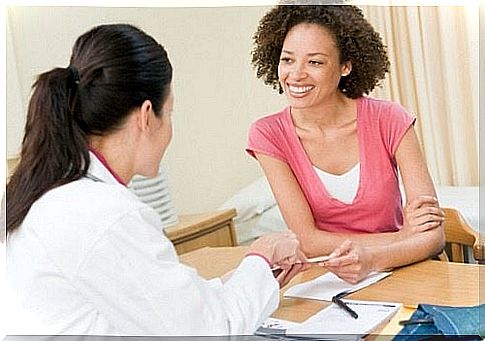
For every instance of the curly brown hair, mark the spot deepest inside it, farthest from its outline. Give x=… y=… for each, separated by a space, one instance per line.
x=355 y=38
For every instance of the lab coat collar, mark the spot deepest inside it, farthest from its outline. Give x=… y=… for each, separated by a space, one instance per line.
x=98 y=172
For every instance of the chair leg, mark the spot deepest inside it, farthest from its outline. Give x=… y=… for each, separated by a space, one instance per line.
x=457 y=253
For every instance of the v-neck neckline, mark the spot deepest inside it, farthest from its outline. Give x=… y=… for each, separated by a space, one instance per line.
x=308 y=164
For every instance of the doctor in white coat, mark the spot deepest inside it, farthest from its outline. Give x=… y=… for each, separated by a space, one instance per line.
x=84 y=255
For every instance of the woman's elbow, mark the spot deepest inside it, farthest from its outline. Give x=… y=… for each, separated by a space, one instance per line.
x=439 y=240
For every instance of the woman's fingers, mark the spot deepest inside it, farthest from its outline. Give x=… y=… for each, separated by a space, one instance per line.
x=429 y=210
x=341 y=255
x=427 y=226
x=286 y=275
x=344 y=248
x=348 y=259
x=420 y=201
x=423 y=218
x=352 y=266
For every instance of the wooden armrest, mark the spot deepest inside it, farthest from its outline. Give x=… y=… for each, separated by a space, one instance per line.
x=192 y=224
x=479 y=250
x=458 y=232
x=206 y=229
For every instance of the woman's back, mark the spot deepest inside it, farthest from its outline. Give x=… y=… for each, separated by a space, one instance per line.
x=47 y=255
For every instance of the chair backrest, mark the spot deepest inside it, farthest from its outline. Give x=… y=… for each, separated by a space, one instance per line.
x=459 y=234
x=155 y=193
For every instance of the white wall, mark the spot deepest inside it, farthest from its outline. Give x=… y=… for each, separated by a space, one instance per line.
x=216 y=91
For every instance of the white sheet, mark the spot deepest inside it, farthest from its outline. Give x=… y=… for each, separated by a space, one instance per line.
x=463 y=198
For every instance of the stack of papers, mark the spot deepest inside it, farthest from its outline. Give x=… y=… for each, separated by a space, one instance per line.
x=329 y=285
x=335 y=323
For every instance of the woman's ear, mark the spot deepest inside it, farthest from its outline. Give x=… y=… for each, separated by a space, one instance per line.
x=143 y=114
x=346 y=68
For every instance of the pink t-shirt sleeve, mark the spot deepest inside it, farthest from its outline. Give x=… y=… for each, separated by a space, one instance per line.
x=263 y=138
x=394 y=124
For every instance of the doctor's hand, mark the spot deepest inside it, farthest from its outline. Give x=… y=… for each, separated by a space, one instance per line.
x=350 y=262
x=281 y=250
x=421 y=214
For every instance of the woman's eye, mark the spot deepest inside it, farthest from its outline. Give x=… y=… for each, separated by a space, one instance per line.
x=285 y=59
x=316 y=62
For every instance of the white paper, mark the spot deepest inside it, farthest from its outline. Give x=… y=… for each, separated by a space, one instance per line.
x=334 y=320
x=329 y=285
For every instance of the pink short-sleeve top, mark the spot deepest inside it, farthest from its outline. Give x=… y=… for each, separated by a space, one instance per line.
x=377 y=206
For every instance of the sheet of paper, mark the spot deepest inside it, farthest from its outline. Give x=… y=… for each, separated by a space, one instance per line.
x=335 y=321
x=328 y=285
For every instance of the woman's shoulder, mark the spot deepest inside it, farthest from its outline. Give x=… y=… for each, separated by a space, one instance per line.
x=379 y=102
x=86 y=198
x=373 y=104
x=73 y=218
x=86 y=208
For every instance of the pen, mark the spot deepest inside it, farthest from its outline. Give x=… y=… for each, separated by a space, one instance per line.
x=308 y=261
x=344 y=306
x=416 y=321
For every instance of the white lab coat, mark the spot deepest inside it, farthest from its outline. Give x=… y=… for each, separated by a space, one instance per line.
x=91 y=259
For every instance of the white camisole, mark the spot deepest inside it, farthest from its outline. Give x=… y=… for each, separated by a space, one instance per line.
x=342 y=187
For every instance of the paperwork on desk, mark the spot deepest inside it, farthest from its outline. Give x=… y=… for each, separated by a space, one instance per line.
x=334 y=323
x=329 y=285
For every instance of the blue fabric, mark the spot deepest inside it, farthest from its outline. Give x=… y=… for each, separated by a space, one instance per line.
x=466 y=322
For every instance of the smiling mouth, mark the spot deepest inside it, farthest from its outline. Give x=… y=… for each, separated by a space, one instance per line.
x=300 y=89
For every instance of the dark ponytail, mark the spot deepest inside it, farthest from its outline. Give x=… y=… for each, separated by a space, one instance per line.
x=113 y=69
x=54 y=150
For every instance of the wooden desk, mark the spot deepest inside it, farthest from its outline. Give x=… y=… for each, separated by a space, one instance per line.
x=432 y=282
x=207 y=229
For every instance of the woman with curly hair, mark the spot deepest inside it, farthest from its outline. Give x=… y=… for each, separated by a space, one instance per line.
x=333 y=156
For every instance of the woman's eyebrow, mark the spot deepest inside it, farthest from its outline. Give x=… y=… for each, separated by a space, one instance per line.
x=311 y=54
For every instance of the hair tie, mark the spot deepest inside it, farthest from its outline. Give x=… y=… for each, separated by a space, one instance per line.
x=73 y=77
x=72 y=84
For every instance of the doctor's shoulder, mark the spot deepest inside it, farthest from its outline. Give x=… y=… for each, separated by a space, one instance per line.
x=84 y=201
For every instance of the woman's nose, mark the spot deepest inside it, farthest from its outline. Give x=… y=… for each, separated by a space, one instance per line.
x=298 y=71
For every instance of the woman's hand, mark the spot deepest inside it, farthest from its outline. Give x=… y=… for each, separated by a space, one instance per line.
x=421 y=214
x=288 y=272
x=350 y=261
x=282 y=250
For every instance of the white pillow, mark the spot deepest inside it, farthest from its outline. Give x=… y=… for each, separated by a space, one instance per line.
x=252 y=200
x=270 y=221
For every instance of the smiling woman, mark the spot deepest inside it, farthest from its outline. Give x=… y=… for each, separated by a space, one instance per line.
x=310 y=67
x=332 y=156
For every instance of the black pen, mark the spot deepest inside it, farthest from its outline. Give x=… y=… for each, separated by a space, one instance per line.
x=343 y=305
x=416 y=321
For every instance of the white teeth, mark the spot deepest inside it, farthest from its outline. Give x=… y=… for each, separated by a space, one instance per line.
x=300 y=89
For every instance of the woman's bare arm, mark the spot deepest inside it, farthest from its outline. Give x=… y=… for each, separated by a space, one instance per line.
x=421 y=237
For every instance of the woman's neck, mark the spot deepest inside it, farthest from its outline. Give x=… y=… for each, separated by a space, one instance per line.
x=333 y=113
x=116 y=154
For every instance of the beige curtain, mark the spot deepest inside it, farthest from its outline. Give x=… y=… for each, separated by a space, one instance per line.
x=434 y=74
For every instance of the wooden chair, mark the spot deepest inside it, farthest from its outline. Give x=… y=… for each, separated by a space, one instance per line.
x=458 y=235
